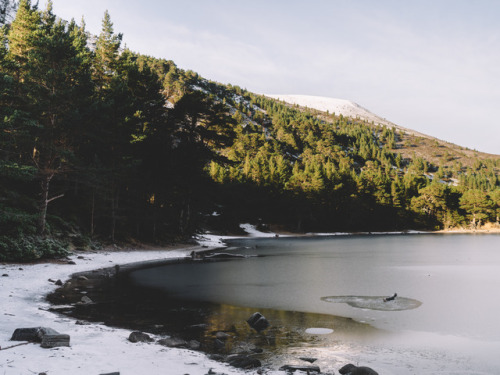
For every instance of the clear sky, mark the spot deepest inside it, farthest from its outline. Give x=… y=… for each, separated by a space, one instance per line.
x=429 y=65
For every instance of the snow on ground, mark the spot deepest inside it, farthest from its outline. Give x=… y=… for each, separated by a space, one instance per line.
x=95 y=348
x=342 y=107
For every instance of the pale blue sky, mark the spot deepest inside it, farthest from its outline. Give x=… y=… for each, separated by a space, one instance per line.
x=433 y=66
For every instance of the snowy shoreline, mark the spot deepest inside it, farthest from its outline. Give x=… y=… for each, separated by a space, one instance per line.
x=95 y=348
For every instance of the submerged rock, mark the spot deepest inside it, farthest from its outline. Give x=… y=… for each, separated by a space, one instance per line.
x=306 y=369
x=258 y=322
x=243 y=361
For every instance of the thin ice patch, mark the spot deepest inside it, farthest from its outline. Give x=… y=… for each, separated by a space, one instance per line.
x=319 y=331
x=375 y=302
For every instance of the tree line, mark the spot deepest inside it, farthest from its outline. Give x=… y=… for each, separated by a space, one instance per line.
x=100 y=143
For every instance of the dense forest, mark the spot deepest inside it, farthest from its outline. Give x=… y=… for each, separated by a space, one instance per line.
x=100 y=144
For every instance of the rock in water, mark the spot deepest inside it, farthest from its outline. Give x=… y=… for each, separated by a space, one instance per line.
x=350 y=369
x=306 y=369
x=243 y=361
x=258 y=322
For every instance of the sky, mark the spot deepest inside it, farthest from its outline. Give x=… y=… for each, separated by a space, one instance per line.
x=429 y=65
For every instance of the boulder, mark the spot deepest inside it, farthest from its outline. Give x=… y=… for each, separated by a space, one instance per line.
x=258 y=322
x=350 y=369
x=306 y=369
x=137 y=336
x=48 y=337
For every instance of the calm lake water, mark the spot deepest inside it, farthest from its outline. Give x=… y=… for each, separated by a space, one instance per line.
x=445 y=319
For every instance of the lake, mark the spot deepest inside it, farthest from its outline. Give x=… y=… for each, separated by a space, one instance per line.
x=444 y=319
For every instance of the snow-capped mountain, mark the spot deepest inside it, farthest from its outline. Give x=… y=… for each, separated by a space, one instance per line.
x=342 y=107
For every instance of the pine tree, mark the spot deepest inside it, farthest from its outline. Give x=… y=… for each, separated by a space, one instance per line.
x=49 y=78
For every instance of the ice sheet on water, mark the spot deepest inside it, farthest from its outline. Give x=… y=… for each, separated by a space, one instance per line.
x=375 y=302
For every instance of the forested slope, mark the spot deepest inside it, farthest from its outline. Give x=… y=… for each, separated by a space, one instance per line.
x=98 y=143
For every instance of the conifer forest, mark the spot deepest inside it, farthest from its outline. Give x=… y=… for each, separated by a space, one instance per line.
x=100 y=144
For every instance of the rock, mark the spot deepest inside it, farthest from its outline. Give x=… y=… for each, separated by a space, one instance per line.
x=5 y=275
x=219 y=344
x=223 y=336
x=82 y=278
x=309 y=359
x=137 y=336
x=86 y=300
x=194 y=345
x=82 y=323
x=48 y=337
x=258 y=322
x=216 y=357
x=173 y=342
x=59 y=283
x=27 y=334
x=54 y=340
x=350 y=369
x=306 y=369
x=52 y=281
x=243 y=361
x=71 y=262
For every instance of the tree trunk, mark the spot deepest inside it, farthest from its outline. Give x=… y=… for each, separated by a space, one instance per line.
x=44 y=201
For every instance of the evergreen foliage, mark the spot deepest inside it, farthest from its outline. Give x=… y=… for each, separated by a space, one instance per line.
x=98 y=142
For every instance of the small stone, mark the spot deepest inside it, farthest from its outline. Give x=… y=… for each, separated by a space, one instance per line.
x=172 y=342
x=82 y=323
x=307 y=369
x=308 y=359
x=52 y=281
x=219 y=344
x=21 y=269
x=194 y=345
x=71 y=262
x=223 y=336
x=86 y=300
x=5 y=275
x=59 y=283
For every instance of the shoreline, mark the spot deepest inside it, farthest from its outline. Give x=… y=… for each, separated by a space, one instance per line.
x=95 y=348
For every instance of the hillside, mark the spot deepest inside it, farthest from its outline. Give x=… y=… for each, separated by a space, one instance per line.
x=410 y=143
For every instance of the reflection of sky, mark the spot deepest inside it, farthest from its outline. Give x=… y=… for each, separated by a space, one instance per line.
x=427 y=65
x=454 y=276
